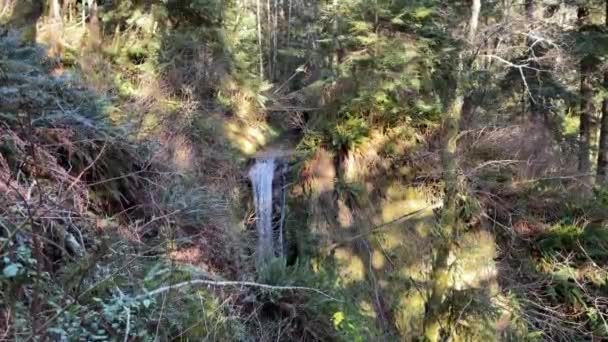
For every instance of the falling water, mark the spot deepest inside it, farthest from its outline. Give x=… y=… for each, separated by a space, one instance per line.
x=261 y=175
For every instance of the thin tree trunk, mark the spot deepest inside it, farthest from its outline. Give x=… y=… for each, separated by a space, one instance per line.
x=275 y=40
x=65 y=8
x=289 y=6
x=286 y=62
x=94 y=27
x=468 y=106
x=260 y=48
x=602 y=156
x=531 y=11
x=586 y=108
x=336 y=30
x=532 y=16
x=56 y=29
x=474 y=20
x=269 y=31
x=25 y=16
x=437 y=306
x=586 y=105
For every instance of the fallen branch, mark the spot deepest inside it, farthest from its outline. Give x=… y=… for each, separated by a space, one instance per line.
x=375 y=229
x=232 y=283
x=77 y=179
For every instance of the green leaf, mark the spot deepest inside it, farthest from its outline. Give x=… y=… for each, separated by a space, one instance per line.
x=337 y=318
x=422 y=12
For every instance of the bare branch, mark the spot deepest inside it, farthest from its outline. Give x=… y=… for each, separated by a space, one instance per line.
x=233 y=283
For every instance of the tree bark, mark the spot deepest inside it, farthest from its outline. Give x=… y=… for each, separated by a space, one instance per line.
x=336 y=31
x=587 y=67
x=456 y=104
x=534 y=51
x=586 y=108
x=474 y=20
x=269 y=32
x=25 y=17
x=602 y=156
x=275 y=39
x=93 y=27
x=56 y=29
x=260 y=47
x=468 y=106
x=436 y=305
x=531 y=8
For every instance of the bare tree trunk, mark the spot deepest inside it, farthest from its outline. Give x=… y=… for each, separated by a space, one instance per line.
x=269 y=32
x=468 y=106
x=531 y=8
x=586 y=106
x=94 y=28
x=286 y=63
x=532 y=94
x=67 y=6
x=25 y=17
x=55 y=29
x=436 y=306
x=337 y=58
x=602 y=157
x=474 y=20
x=260 y=47
x=289 y=23
x=275 y=40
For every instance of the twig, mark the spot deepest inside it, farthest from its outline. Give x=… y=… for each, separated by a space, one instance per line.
x=582 y=175
x=103 y=148
x=128 y=324
x=232 y=283
x=521 y=68
x=384 y=225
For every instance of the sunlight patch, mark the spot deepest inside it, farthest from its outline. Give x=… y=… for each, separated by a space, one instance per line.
x=352 y=268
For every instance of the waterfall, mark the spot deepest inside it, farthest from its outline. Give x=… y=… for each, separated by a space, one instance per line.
x=261 y=176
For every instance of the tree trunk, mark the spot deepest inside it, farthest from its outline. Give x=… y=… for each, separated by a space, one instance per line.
x=468 y=106
x=275 y=40
x=25 y=17
x=436 y=305
x=586 y=106
x=474 y=20
x=534 y=51
x=67 y=6
x=94 y=28
x=531 y=8
x=602 y=156
x=55 y=29
x=269 y=32
x=336 y=31
x=260 y=47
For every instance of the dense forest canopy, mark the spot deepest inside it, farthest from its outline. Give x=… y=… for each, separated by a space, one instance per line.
x=304 y=170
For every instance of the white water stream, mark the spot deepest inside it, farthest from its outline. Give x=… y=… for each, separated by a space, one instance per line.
x=261 y=176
